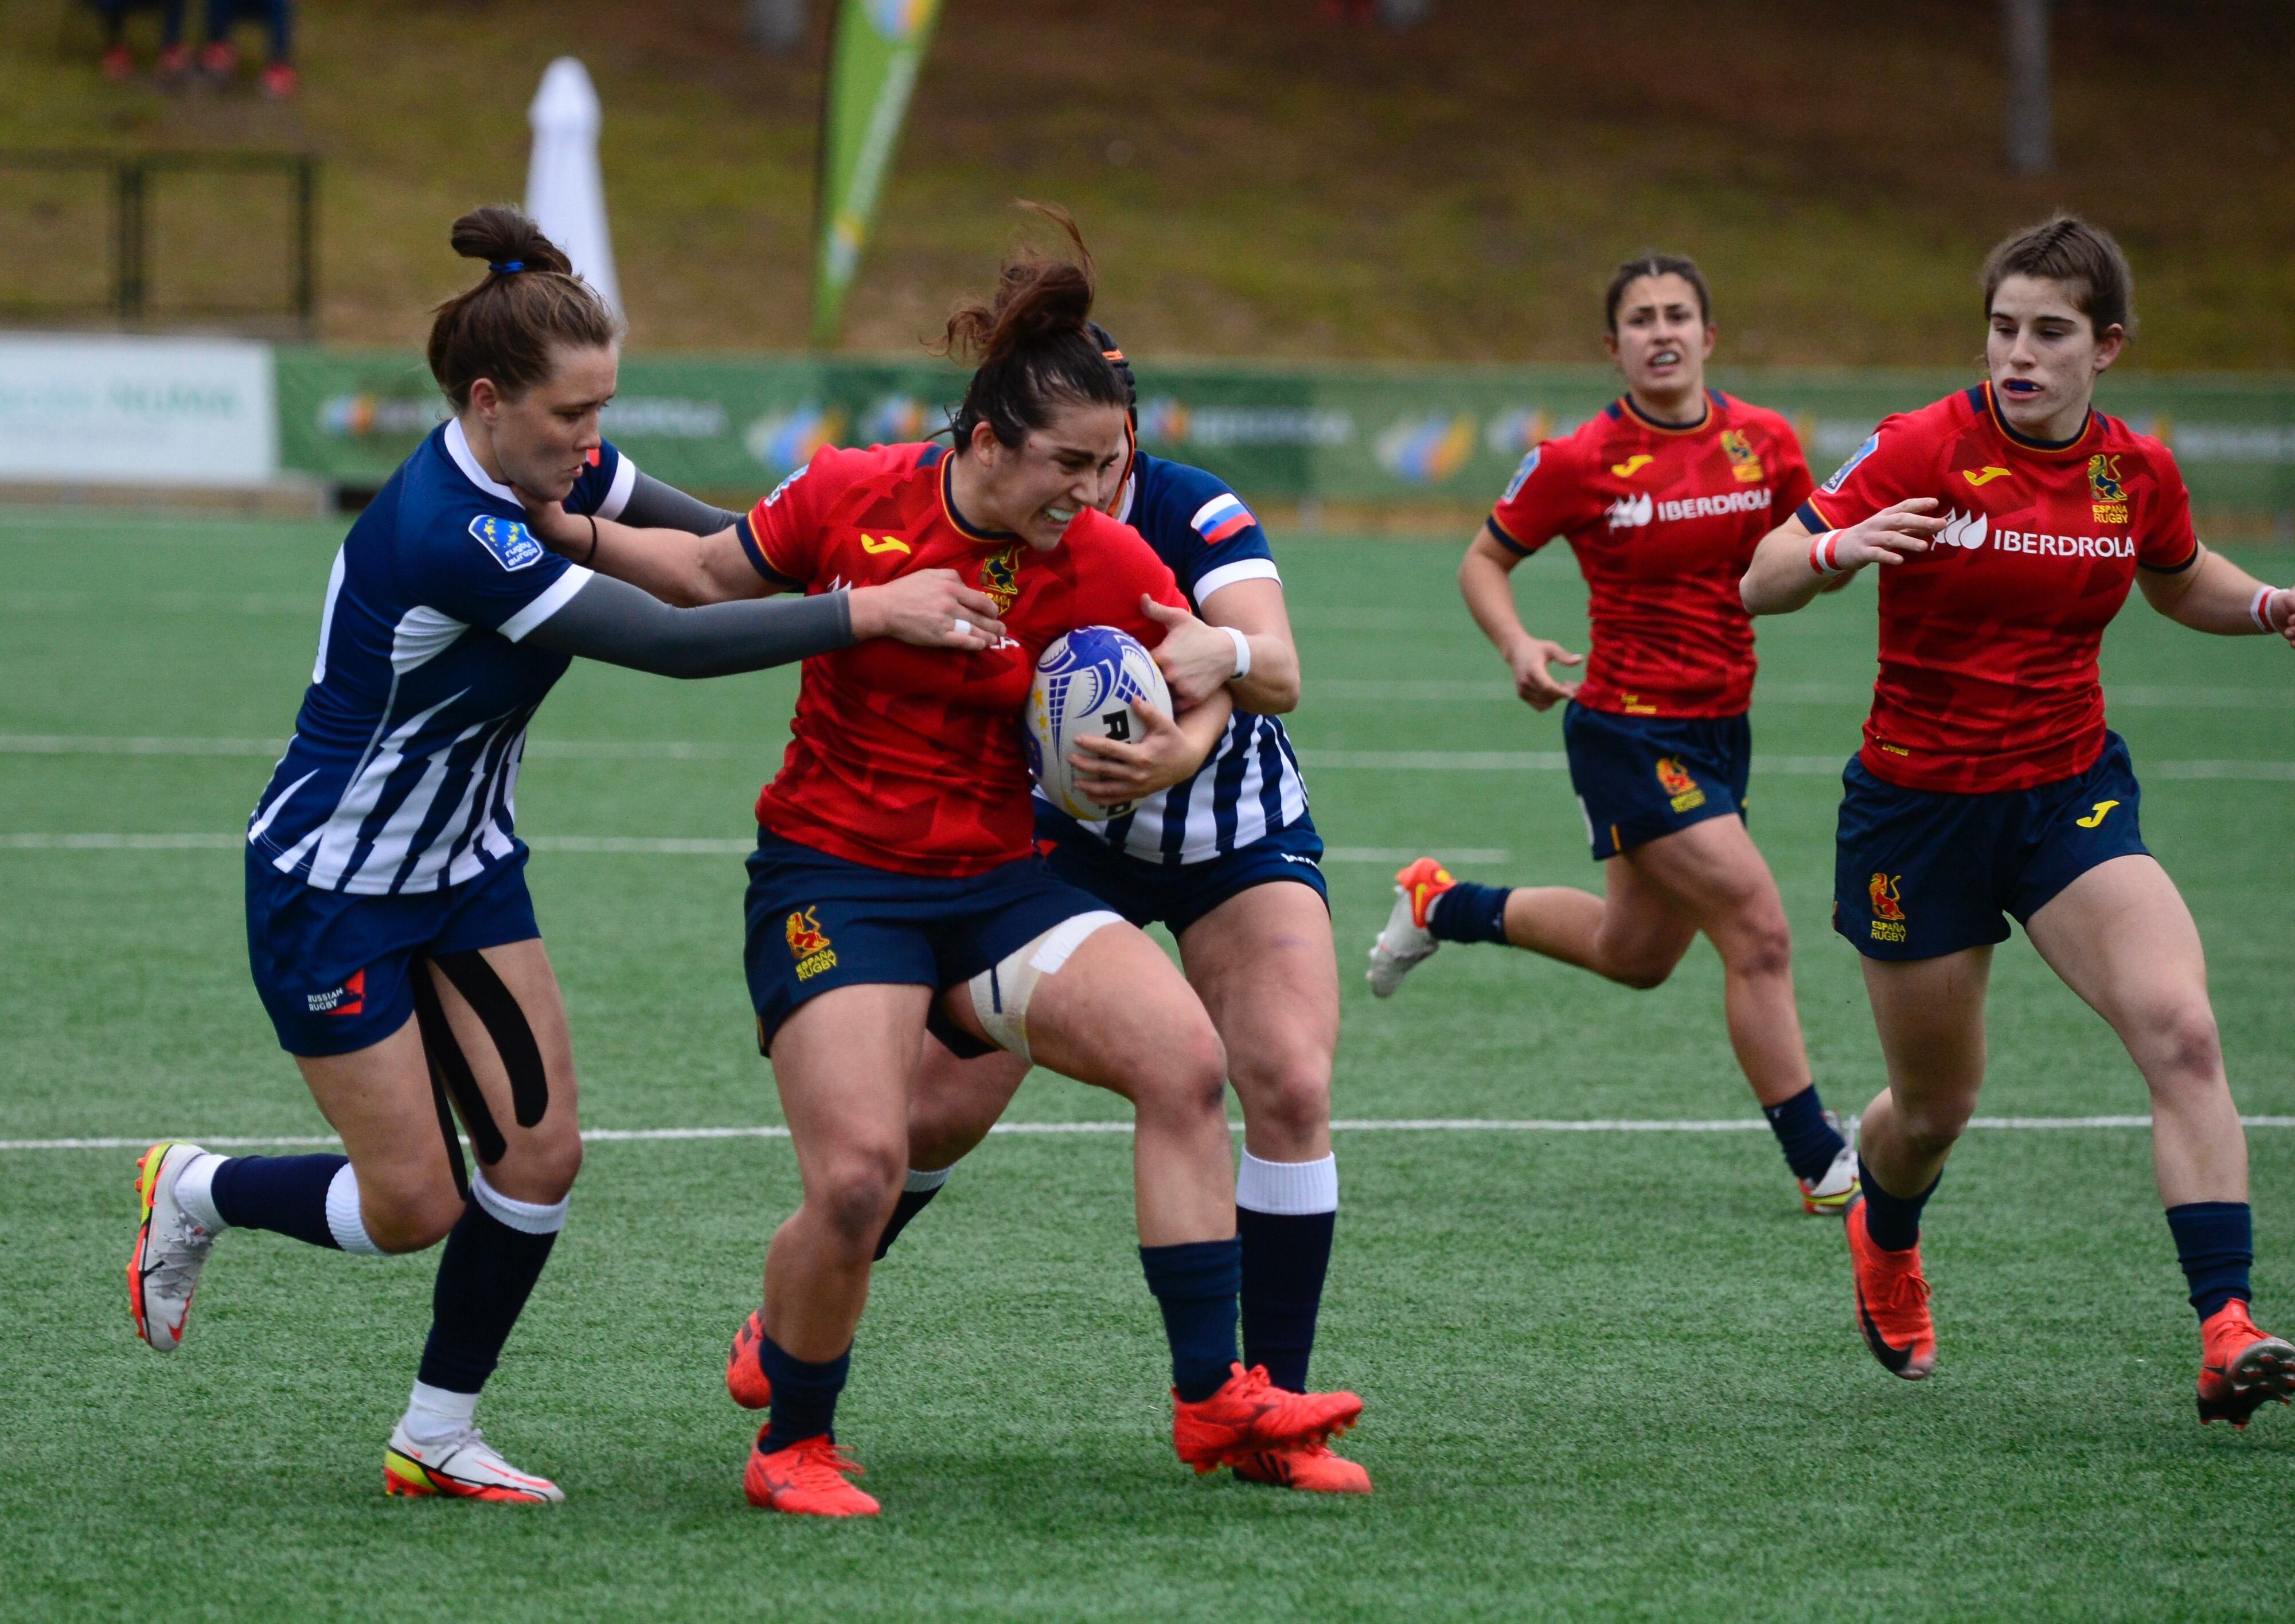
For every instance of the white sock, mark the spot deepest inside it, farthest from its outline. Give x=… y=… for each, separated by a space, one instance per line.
x=345 y=1222
x=526 y=1217
x=195 y=1192
x=920 y=1179
x=435 y=1415
x=1287 y=1189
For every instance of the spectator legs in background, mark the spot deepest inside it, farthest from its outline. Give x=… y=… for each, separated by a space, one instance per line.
x=220 y=58
x=118 y=61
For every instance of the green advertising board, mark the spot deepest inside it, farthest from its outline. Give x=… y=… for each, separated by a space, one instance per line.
x=1353 y=433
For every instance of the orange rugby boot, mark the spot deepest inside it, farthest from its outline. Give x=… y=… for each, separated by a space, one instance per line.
x=1316 y=1469
x=1893 y=1302
x=746 y=1382
x=1251 y=1416
x=2241 y=1368
x=806 y=1479
x=1406 y=942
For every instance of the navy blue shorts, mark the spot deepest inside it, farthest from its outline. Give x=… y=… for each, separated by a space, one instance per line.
x=335 y=971
x=1921 y=873
x=1641 y=777
x=818 y=922
x=1177 y=894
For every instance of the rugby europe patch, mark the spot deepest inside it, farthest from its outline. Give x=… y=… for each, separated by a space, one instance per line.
x=513 y=545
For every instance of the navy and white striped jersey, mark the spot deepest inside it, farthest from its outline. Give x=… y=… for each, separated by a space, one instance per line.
x=402 y=771
x=1250 y=785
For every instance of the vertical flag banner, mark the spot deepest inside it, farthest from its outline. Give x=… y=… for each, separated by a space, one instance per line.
x=879 y=47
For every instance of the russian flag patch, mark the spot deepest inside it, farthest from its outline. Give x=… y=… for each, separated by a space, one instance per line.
x=1221 y=518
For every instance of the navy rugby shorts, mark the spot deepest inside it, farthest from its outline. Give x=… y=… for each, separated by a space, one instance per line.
x=1640 y=777
x=818 y=922
x=1921 y=873
x=1177 y=894
x=335 y=970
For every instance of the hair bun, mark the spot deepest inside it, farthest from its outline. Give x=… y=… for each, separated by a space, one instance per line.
x=500 y=235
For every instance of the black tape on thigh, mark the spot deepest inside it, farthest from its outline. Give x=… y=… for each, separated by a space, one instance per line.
x=505 y=1023
x=450 y=1074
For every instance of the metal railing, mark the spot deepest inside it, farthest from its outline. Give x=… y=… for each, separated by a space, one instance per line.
x=133 y=182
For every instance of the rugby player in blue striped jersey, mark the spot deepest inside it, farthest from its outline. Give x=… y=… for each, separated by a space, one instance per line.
x=389 y=931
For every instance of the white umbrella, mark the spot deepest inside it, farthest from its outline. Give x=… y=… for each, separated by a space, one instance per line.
x=565 y=192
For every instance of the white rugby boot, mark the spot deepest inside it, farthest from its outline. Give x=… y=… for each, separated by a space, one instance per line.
x=1829 y=1196
x=1406 y=942
x=463 y=1467
x=170 y=1248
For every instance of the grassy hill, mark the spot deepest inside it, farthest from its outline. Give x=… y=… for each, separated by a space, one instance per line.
x=1260 y=182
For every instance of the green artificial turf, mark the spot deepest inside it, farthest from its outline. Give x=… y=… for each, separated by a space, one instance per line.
x=1609 y=1375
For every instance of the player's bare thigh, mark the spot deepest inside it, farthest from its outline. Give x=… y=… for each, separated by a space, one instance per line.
x=380 y=1100
x=842 y=1063
x=1265 y=966
x=954 y=1102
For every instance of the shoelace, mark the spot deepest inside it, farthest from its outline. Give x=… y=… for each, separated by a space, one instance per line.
x=1902 y=1290
x=821 y=1464
x=184 y=1249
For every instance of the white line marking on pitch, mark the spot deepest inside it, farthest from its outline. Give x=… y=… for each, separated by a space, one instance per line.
x=1340 y=760
x=1421 y=1124
x=621 y=844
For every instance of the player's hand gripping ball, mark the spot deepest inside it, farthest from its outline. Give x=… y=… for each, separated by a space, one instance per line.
x=1085 y=684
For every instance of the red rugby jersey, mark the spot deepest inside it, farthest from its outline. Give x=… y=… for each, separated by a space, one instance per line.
x=1988 y=642
x=908 y=758
x=1664 y=522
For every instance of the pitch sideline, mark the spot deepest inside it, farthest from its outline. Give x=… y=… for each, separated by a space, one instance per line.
x=1424 y=1124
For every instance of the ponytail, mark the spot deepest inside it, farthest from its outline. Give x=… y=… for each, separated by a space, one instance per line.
x=1034 y=343
x=505 y=327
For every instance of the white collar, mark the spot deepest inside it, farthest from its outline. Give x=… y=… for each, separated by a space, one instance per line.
x=458 y=446
x=1131 y=489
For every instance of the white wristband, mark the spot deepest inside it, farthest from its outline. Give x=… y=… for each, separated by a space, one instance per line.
x=2258 y=609
x=1242 y=653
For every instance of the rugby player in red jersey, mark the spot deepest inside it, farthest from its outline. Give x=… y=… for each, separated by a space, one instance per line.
x=2011 y=519
x=1662 y=496
x=895 y=889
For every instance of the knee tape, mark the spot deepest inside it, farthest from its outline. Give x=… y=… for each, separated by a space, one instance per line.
x=1001 y=992
x=497 y=1009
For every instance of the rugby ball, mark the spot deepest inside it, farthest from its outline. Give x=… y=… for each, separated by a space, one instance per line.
x=1085 y=684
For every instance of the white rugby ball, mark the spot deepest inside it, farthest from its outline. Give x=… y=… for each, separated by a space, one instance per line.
x=1085 y=684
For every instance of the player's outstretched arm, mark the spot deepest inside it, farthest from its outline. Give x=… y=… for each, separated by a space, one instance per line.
x=2216 y=595
x=1171 y=751
x=675 y=565
x=654 y=505
x=1485 y=580
x=612 y=621
x=1793 y=565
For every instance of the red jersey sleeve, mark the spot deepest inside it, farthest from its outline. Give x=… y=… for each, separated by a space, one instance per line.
x=1897 y=462
x=1544 y=499
x=1119 y=567
x=1793 y=483
x=2168 y=541
x=782 y=535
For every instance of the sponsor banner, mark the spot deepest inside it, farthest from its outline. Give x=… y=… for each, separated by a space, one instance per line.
x=879 y=47
x=738 y=425
x=136 y=411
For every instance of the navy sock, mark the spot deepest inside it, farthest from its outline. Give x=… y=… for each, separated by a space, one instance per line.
x=286 y=1194
x=1807 y=1139
x=1468 y=912
x=1285 y=1258
x=1194 y=1284
x=2215 y=1241
x=910 y=1204
x=484 y=1277
x=1893 y=1222
x=805 y=1394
